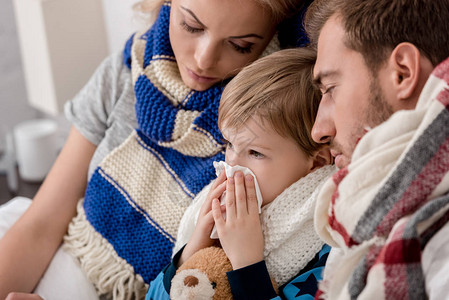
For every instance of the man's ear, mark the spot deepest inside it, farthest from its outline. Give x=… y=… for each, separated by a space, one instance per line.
x=405 y=62
x=321 y=158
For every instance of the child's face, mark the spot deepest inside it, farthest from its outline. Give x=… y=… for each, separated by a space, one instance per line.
x=276 y=161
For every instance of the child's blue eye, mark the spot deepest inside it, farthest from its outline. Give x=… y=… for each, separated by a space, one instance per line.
x=256 y=154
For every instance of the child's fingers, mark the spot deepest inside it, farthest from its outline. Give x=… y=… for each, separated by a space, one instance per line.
x=205 y=207
x=240 y=195
x=208 y=218
x=218 y=191
x=253 y=206
x=217 y=214
x=230 y=199
x=209 y=215
x=219 y=180
x=214 y=192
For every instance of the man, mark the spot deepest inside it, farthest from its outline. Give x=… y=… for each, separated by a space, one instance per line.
x=383 y=73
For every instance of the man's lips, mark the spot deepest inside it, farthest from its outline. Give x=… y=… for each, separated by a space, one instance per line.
x=337 y=158
x=200 y=78
x=335 y=153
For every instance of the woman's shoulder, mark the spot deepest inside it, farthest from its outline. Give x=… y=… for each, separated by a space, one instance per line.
x=114 y=64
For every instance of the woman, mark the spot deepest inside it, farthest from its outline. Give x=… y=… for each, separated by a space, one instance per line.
x=174 y=74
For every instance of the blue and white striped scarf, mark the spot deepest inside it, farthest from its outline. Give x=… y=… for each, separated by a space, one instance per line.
x=127 y=223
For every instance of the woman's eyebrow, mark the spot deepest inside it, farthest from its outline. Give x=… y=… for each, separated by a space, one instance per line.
x=246 y=36
x=232 y=37
x=193 y=16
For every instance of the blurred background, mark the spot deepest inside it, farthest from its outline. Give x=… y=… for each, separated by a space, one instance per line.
x=48 y=51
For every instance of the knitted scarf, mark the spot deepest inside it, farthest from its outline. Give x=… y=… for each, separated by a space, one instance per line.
x=385 y=206
x=287 y=224
x=127 y=222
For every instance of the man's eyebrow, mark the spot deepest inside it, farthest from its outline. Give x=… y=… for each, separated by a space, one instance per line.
x=317 y=80
x=193 y=16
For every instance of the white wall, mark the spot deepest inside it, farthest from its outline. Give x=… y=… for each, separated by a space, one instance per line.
x=120 y=22
x=13 y=100
x=14 y=107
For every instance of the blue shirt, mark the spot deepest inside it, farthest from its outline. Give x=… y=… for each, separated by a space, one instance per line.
x=253 y=282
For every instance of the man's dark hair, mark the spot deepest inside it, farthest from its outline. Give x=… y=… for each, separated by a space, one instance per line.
x=375 y=27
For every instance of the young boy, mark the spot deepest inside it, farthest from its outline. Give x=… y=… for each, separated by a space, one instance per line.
x=266 y=114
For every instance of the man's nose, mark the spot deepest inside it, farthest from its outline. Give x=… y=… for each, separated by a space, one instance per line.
x=323 y=130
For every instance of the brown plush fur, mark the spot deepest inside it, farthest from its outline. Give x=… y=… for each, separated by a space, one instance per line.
x=213 y=262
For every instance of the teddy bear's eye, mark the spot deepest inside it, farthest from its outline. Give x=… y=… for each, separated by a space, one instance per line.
x=214 y=285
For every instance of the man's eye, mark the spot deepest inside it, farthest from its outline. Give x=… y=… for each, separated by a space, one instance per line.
x=328 y=90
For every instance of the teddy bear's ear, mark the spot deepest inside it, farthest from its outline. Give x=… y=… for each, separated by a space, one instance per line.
x=191 y=284
x=203 y=276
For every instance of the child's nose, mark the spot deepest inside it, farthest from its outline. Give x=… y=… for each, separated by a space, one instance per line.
x=233 y=160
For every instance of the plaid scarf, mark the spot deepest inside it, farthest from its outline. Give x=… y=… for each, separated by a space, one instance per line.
x=385 y=206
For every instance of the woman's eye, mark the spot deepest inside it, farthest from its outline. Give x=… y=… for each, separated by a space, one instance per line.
x=256 y=154
x=244 y=50
x=190 y=28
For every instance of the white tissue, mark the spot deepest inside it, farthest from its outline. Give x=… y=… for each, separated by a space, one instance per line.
x=219 y=167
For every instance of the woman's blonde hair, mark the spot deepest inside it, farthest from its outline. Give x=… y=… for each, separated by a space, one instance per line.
x=278 y=89
x=279 y=9
x=148 y=10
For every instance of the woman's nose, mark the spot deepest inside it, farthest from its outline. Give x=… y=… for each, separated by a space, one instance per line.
x=206 y=54
x=323 y=130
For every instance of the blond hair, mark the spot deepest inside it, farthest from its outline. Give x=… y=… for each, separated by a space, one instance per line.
x=278 y=89
x=147 y=10
x=279 y=9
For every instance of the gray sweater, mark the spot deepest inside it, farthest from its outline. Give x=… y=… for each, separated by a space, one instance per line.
x=103 y=111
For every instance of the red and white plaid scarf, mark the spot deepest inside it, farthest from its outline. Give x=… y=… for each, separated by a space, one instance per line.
x=385 y=206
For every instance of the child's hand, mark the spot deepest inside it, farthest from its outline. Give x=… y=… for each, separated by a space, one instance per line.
x=241 y=233
x=201 y=235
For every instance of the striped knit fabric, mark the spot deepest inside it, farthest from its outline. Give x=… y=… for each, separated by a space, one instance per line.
x=385 y=206
x=127 y=223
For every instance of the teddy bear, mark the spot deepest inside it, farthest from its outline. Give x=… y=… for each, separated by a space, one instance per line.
x=203 y=276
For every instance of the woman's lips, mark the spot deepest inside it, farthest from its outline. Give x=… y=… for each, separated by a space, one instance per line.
x=198 y=78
